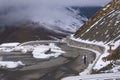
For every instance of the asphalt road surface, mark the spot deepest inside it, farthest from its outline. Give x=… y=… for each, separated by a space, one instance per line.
x=68 y=64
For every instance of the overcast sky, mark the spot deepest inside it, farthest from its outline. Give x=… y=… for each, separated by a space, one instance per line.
x=55 y=2
x=40 y=9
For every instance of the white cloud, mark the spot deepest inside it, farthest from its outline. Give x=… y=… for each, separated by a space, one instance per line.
x=55 y=2
x=42 y=10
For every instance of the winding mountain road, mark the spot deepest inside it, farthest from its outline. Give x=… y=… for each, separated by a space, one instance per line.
x=67 y=64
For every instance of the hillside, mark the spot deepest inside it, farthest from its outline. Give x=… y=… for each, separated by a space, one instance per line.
x=27 y=31
x=103 y=26
x=102 y=29
x=12 y=30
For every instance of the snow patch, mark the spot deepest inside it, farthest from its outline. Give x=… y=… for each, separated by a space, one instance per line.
x=10 y=64
x=47 y=51
x=117 y=22
x=9 y=44
x=8 y=47
x=3 y=49
x=24 y=49
x=115 y=69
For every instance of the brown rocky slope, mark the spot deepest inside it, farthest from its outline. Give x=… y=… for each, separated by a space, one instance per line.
x=27 y=31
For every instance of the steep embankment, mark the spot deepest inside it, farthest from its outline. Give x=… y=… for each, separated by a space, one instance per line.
x=103 y=26
x=106 y=29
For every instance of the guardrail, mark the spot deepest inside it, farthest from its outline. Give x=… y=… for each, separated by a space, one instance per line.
x=85 y=45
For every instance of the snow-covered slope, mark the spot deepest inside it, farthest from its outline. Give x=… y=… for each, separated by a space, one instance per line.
x=103 y=26
x=64 y=20
x=107 y=28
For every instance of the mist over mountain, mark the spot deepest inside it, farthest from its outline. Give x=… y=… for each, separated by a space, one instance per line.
x=61 y=17
x=45 y=12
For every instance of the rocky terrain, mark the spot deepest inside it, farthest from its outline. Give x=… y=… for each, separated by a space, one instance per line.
x=27 y=31
x=104 y=26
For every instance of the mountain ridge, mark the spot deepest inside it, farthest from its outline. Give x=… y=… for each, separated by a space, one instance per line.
x=107 y=19
x=9 y=32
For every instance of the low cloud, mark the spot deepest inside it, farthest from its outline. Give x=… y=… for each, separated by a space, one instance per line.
x=40 y=10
